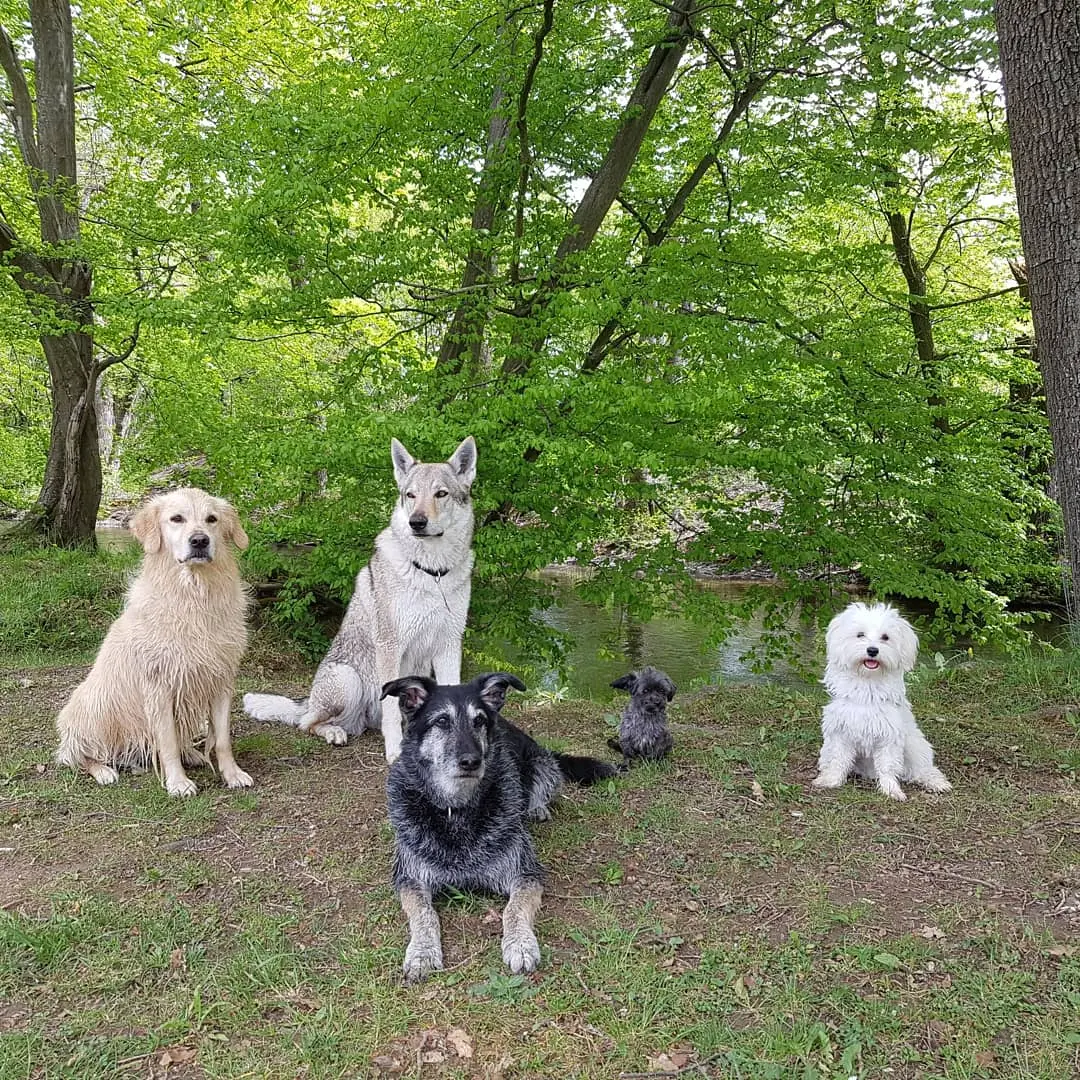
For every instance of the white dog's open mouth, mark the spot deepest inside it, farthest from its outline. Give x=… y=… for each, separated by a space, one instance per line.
x=871 y=664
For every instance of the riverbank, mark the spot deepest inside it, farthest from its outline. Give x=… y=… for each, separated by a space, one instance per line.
x=710 y=911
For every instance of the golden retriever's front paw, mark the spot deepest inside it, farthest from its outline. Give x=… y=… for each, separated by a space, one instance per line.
x=237 y=778
x=180 y=786
x=103 y=774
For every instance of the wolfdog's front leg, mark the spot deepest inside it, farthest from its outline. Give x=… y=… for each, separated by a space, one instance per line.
x=423 y=954
x=388 y=664
x=520 y=949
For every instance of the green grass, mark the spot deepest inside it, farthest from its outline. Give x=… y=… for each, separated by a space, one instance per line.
x=56 y=603
x=706 y=911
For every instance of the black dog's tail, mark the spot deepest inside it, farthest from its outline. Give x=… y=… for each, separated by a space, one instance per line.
x=585 y=770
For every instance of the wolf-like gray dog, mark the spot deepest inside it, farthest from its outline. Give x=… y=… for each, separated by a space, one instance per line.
x=643 y=730
x=458 y=797
x=407 y=612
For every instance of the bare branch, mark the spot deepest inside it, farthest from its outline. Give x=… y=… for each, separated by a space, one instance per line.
x=21 y=112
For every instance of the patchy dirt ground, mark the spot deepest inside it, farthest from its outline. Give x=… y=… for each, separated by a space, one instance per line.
x=707 y=913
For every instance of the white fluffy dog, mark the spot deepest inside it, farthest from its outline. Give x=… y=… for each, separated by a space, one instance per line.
x=868 y=727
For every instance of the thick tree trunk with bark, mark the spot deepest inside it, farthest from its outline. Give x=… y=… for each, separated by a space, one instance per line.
x=1040 y=59
x=56 y=282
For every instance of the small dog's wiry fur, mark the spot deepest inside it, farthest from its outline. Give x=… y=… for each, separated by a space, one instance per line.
x=407 y=612
x=164 y=674
x=459 y=796
x=868 y=726
x=643 y=730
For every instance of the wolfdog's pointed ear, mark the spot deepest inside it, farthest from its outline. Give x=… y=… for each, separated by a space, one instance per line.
x=492 y=688
x=403 y=461
x=626 y=682
x=145 y=527
x=230 y=519
x=411 y=693
x=463 y=461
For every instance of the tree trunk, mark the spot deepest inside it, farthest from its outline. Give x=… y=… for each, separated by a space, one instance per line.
x=57 y=282
x=1040 y=60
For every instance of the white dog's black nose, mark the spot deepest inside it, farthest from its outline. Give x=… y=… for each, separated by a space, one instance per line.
x=871 y=650
x=199 y=541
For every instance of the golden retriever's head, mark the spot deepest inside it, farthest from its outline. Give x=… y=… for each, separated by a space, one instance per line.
x=189 y=525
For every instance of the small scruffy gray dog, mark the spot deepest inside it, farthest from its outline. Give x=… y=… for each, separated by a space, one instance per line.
x=643 y=730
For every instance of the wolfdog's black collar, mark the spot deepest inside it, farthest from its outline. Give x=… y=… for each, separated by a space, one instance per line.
x=436 y=574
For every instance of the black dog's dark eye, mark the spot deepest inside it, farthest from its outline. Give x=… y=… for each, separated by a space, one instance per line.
x=211 y=519
x=478 y=722
x=177 y=519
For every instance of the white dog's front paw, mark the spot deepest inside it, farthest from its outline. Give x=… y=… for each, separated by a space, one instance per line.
x=828 y=781
x=237 y=778
x=181 y=786
x=888 y=786
x=421 y=961
x=521 y=952
x=334 y=735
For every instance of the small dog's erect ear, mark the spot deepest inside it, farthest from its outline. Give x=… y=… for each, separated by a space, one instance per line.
x=626 y=682
x=403 y=461
x=144 y=526
x=232 y=528
x=411 y=693
x=492 y=688
x=463 y=461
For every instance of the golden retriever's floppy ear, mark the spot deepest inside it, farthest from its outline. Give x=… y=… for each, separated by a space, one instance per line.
x=230 y=521
x=145 y=527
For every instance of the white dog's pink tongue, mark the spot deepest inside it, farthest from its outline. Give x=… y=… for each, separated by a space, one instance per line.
x=871 y=664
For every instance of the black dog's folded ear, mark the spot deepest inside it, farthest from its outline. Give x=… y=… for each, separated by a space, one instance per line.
x=626 y=682
x=492 y=687
x=411 y=693
x=669 y=688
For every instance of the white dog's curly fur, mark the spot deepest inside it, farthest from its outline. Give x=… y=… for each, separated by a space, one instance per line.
x=867 y=726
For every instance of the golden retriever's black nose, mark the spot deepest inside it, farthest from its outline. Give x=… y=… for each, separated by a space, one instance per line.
x=871 y=650
x=418 y=523
x=199 y=541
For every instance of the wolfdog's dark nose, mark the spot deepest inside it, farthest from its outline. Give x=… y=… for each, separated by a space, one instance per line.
x=199 y=541
x=418 y=523
x=871 y=650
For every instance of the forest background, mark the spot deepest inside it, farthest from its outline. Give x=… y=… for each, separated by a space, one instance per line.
x=736 y=284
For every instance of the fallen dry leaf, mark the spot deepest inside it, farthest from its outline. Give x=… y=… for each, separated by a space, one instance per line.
x=668 y=1063
x=931 y=932
x=1061 y=950
x=985 y=1059
x=757 y=790
x=177 y=1055
x=460 y=1041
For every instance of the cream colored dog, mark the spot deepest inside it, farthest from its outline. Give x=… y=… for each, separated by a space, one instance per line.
x=165 y=672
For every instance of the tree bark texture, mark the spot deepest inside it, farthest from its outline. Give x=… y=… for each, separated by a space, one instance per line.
x=1040 y=60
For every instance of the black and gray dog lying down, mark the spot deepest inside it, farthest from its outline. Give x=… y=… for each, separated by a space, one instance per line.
x=458 y=798
x=643 y=729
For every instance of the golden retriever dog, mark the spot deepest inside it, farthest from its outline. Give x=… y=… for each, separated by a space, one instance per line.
x=165 y=672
